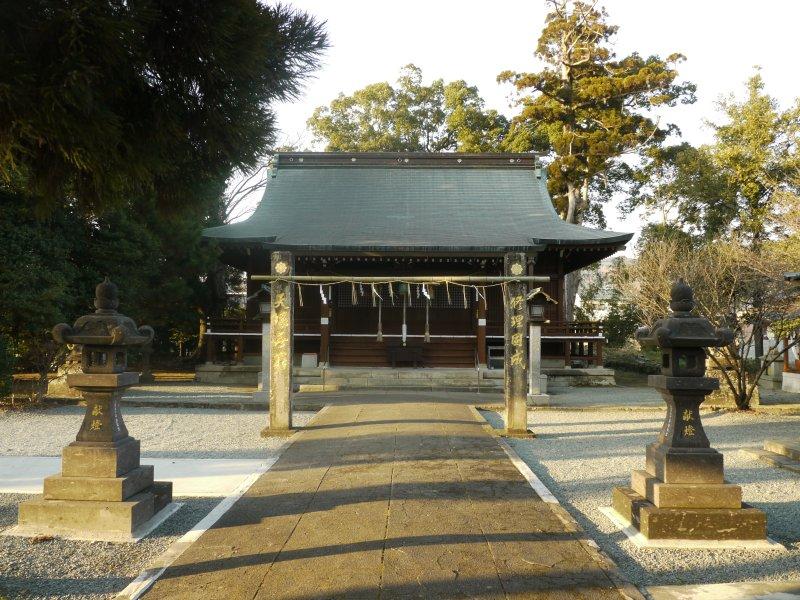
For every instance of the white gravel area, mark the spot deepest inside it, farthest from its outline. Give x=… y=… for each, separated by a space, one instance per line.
x=582 y=455
x=66 y=569
x=167 y=432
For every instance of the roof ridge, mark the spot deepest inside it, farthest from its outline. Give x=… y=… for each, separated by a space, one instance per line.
x=491 y=160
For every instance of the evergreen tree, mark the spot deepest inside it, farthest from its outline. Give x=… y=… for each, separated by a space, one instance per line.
x=101 y=100
x=588 y=109
x=409 y=117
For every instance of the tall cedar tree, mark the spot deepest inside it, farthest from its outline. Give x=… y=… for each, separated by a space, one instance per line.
x=588 y=108
x=104 y=99
x=410 y=116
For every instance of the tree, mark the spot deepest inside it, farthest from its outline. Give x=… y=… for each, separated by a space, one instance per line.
x=104 y=100
x=590 y=109
x=735 y=286
x=682 y=185
x=409 y=117
x=38 y=280
x=757 y=152
x=739 y=184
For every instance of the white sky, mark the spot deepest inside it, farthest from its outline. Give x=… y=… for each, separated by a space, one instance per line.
x=475 y=40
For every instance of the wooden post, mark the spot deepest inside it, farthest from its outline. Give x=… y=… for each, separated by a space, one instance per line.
x=240 y=344
x=516 y=353
x=480 y=337
x=324 y=334
x=281 y=347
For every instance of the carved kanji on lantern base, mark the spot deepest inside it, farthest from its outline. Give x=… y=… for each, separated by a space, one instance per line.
x=682 y=494
x=102 y=492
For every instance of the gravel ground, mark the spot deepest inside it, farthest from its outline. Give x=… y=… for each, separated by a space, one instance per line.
x=83 y=570
x=92 y=570
x=580 y=456
x=168 y=432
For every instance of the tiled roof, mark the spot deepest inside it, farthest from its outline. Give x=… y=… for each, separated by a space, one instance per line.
x=407 y=202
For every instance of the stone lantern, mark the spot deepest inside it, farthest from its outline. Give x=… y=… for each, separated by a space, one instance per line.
x=682 y=494
x=102 y=491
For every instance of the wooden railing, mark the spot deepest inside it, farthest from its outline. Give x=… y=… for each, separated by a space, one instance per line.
x=226 y=336
x=582 y=341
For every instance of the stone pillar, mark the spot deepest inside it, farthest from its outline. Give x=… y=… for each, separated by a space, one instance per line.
x=263 y=374
x=682 y=494
x=537 y=382
x=211 y=345
x=146 y=375
x=324 y=334
x=281 y=347
x=516 y=354
x=102 y=492
x=480 y=337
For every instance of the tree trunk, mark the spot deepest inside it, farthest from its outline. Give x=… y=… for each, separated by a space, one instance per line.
x=571 y=283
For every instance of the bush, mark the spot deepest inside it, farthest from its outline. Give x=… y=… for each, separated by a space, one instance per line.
x=6 y=368
x=633 y=359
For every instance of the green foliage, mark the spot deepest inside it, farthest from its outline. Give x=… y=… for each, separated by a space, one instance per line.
x=101 y=101
x=589 y=108
x=621 y=322
x=52 y=265
x=601 y=300
x=740 y=184
x=632 y=359
x=6 y=368
x=410 y=116
x=683 y=186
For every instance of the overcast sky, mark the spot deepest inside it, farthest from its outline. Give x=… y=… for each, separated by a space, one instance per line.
x=475 y=40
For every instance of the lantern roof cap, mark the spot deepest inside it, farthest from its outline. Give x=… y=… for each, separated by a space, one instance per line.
x=683 y=328
x=104 y=327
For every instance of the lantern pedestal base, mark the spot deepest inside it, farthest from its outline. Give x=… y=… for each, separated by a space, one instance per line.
x=102 y=493
x=744 y=523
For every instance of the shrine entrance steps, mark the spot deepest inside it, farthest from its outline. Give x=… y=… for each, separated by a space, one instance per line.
x=381 y=378
x=392 y=496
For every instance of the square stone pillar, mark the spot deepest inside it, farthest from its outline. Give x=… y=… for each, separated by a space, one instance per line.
x=480 y=333
x=281 y=347
x=324 y=334
x=537 y=382
x=516 y=352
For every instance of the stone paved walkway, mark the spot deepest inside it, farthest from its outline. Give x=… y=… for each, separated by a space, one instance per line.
x=397 y=497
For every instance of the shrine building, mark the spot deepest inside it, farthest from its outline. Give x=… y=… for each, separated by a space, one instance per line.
x=392 y=215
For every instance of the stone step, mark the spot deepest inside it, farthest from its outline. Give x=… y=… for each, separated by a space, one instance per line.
x=111 y=489
x=87 y=516
x=718 y=524
x=773 y=458
x=789 y=448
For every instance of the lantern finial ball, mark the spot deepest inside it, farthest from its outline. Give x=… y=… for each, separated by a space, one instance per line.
x=682 y=297
x=106 y=295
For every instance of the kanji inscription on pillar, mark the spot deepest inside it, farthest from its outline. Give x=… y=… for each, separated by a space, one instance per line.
x=516 y=351
x=281 y=343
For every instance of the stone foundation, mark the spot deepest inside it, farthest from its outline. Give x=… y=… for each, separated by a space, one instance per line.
x=102 y=493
